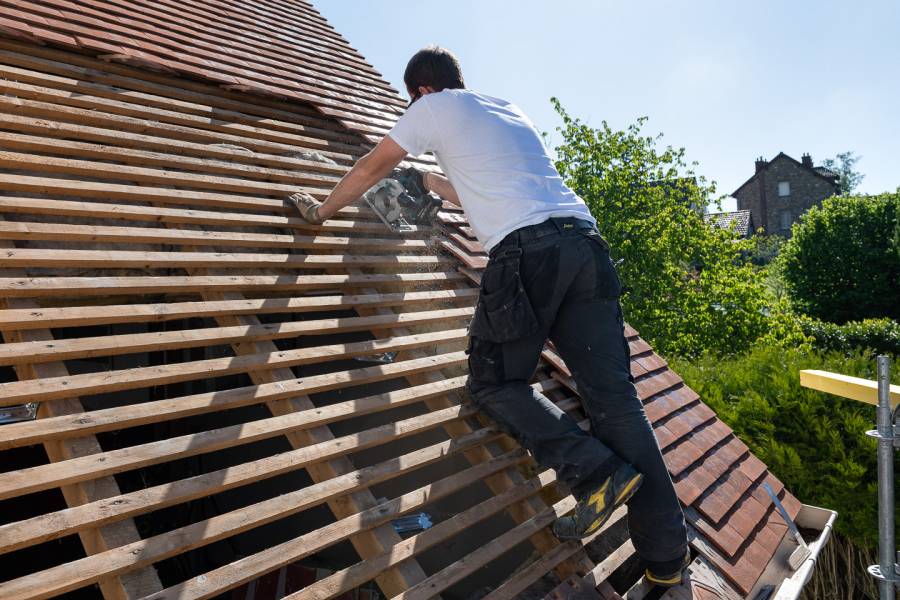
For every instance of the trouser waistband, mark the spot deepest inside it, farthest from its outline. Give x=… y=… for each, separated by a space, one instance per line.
x=537 y=231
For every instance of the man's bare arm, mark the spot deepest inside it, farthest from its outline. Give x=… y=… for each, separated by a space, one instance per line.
x=367 y=171
x=441 y=186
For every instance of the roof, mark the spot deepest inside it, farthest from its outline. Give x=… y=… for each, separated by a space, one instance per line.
x=826 y=172
x=210 y=367
x=822 y=172
x=740 y=220
x=284 y=49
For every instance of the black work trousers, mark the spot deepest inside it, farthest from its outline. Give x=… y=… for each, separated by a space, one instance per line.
x=556 y=280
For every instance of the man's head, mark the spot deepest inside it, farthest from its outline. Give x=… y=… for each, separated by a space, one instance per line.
x=432 y=69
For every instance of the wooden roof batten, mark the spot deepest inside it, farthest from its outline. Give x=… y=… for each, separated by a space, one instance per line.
x=43 y=222
x=142 y=215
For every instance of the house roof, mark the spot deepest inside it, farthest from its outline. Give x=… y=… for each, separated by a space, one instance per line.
x=284 y=49
x=740 y=220
x=822 y=172
x=162 y=305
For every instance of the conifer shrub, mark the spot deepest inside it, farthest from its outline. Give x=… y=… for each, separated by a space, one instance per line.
x=814 y=442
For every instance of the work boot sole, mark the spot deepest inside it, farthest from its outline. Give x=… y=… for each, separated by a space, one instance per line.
x=566 y=528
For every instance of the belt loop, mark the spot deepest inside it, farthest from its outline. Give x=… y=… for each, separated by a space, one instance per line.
x=557 y=224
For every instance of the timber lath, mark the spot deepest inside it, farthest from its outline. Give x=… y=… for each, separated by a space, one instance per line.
x=170 y=314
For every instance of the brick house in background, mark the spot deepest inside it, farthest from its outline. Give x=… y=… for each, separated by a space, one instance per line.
x=782 y=189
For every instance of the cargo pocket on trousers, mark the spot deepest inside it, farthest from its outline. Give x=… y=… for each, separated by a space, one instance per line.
x=485 y=363
x=506 y=314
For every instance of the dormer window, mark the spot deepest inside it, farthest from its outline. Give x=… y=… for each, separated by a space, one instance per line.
x=784 y=188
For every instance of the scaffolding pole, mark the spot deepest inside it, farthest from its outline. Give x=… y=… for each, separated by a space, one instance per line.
x=886 y=569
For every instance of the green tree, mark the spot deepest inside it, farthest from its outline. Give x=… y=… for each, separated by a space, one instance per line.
x=842 y=262
x=848 y=177
x=689 y=286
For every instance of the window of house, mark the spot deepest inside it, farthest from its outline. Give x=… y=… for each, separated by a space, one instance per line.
x=784 y=188
x=785 y=220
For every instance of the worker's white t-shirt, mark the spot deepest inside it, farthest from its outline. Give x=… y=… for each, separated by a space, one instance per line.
x=493 y=157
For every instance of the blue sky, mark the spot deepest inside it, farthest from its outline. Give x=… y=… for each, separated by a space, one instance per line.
x=728 y=81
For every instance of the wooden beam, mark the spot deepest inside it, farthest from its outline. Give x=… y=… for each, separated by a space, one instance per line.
x=43 y=101
x=234 y=574
x=112 y=345
x=79 y=316
x=845 y=386
x=106 y=286
x=312 y=183
x=14 y=435
x=95 y=539
x=354 y=576
x=52 y=388
x=125 y=259
x=186 y=216
x=480 y=557
x=79 y=573
x=222 y=158
x=57 y=474
x=64 y=232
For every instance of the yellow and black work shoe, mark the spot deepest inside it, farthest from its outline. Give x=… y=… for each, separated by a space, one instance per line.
x=670 y=579
x=593 y=510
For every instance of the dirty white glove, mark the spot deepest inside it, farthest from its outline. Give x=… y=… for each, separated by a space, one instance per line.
x=307 y=206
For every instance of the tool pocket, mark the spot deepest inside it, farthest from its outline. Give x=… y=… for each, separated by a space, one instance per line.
x=485 y=363
x=504 y=312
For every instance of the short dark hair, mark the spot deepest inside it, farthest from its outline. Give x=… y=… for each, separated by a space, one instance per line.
x=434 y=67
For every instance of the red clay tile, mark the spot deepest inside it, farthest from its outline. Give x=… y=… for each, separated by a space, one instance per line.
x=25 y=17
x=679 y=453
x=660 y=407
x=637 y=370
x=724 y=537
x=472 y=247
x=652 y=362
x=98 y=45
x=467 y=231
x=665 y=438
x=16 y=29
x=752 y=467
x=553 y=357
x=565 y=380
x=53 y=36
x=638 y=346
x=472 y=262
x=684 y=422
x=672 y=400
x=656 y=384
x=451 y=217
x=709 y=436
x=710 y=468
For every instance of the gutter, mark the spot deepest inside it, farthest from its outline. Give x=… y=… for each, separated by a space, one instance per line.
x=810 y=517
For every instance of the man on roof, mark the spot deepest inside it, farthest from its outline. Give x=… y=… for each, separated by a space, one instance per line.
x=549 y=276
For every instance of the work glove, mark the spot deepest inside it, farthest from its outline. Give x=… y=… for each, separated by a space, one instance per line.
x=307 y=206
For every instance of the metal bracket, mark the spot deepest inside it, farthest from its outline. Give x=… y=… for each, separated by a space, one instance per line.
x=875 y=571
x=873 y=433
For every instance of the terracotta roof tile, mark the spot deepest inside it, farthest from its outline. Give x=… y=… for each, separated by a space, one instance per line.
x=212 y=42
x=657 y=383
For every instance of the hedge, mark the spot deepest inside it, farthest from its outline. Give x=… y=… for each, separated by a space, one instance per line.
x=814 y=442
x=881 y=336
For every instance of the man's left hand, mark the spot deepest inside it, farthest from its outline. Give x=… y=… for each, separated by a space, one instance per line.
x=307 y=206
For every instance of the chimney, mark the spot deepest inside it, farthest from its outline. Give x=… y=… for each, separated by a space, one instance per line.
x=760 y=164
x=807 y=161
